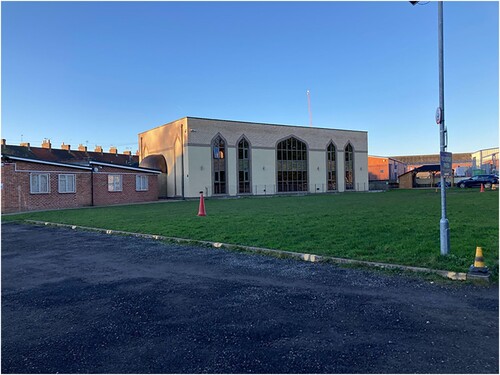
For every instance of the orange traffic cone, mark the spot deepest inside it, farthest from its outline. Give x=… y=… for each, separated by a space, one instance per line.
x=201 y=211
x=482 y=189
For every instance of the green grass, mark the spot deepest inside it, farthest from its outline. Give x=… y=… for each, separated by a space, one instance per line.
x=399 y=227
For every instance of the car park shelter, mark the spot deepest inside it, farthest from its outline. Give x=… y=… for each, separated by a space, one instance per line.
x=423 y=176
x=229 y=158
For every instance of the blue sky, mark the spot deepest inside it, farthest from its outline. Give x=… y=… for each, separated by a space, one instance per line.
x=98 y=73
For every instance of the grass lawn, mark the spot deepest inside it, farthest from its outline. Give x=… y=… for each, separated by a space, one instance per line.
x=400 y=226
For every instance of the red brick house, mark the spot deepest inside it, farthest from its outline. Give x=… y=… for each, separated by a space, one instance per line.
x=30 y=183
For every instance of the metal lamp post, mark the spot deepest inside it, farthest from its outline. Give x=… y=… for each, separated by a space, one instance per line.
x=443 y=223
x=445 y=157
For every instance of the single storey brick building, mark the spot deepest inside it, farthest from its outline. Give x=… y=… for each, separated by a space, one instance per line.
x=31 y=183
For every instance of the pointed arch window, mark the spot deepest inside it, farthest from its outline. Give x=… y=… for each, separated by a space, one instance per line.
x=291 y=165
x=244 y=166
x=349 y=167
x=331 y=167
x=219 y=165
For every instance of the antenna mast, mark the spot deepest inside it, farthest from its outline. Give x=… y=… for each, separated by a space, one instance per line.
x=309 y=108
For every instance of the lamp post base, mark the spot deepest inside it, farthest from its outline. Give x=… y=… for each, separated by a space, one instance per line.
x=444 y=226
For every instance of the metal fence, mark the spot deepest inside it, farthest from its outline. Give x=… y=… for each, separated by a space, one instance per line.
x=273 y=189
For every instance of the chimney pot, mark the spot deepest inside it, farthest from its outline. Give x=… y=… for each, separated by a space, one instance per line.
x=46 y=144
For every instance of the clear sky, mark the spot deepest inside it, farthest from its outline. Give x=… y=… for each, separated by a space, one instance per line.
x=98 y=73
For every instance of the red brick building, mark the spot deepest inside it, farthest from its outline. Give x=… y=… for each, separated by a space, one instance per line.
x=30 y=184
x=460 y=161
x=384 y=168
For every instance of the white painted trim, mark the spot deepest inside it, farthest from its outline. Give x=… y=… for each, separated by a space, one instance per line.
x=144 y=170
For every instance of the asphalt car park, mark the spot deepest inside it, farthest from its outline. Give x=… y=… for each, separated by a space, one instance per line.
x=85 y=302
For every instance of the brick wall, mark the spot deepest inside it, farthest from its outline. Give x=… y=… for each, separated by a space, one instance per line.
x=103 y=197
x=16 y=196
x=378 y=168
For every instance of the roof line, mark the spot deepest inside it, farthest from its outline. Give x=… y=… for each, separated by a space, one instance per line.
x=267 y=123
x=46 y=162
x=249 y=122
x=125 y=167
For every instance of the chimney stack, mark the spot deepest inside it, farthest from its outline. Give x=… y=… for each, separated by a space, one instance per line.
x=98 y=149
x=4 y=142
x=128 y=152
x=113 y=150
x=25 y=144
x=65 y=147
x=82 y=148
x=46 y=144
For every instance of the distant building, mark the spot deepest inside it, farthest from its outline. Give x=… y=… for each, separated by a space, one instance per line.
x=44 y=178
x=384 y=171
x=229 y=158
x=461 y=162
x=485 y=161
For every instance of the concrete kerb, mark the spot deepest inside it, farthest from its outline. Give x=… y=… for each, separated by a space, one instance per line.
x=461 y=276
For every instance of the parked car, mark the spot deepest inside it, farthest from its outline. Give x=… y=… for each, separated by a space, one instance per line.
x=483 y=179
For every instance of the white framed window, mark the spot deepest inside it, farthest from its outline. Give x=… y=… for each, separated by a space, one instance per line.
x=115 y=182
x=39 y=183
x=67 y=183
x=141 y=183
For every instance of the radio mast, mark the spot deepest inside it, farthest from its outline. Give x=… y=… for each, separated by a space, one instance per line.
x=309 y=108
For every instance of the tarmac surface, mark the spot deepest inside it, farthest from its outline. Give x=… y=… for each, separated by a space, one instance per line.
x=86 y=302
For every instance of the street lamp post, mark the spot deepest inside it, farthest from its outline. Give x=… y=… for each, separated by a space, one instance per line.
x=444 y=225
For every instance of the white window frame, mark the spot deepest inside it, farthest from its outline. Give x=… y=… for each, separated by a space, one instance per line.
x=63 y=183
x=37 y=177
x=141 y=183
x=115 y=182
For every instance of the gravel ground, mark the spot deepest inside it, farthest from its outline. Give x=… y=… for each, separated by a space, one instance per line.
x=84 y=302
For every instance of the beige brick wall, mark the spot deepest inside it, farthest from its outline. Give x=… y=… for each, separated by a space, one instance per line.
x=202 y=131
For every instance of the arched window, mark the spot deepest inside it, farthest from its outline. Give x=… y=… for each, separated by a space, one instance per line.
x=291 y=165
x=219 y=165
x=243 y=166
x=331 y=167
x=349 y=167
